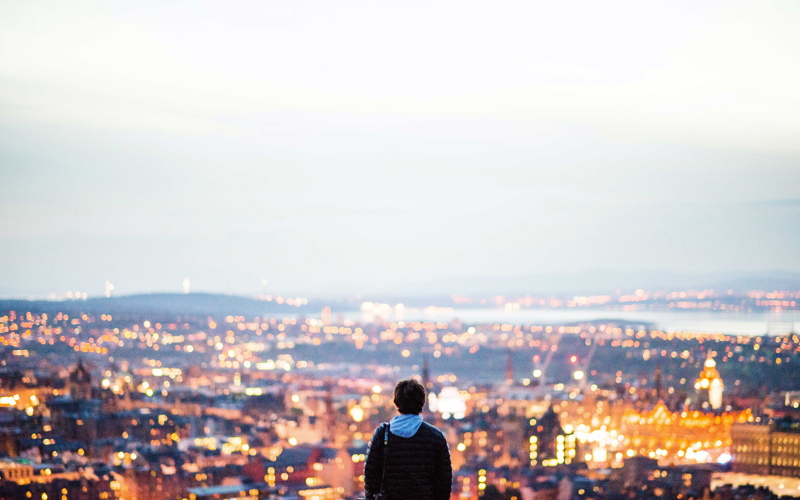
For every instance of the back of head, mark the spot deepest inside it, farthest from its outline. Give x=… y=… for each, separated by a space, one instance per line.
x=409 y=397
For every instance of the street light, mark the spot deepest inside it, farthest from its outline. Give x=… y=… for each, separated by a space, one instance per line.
x=357 y=413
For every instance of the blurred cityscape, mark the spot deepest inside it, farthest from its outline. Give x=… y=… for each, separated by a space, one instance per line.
x=182 y=397
x=229 y=229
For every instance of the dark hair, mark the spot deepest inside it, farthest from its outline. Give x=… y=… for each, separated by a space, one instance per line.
x=409 y=397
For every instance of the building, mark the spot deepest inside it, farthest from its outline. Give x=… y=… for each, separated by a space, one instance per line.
x=547 y=442
x=252 y=491
x=21 y=479
x=80 y=382
x=646 y=475
x=660 y=432
x=709 y=385
x=785 y=447
x=76 y=420
x=540 y=490
x=771 y=448
x=750 y=448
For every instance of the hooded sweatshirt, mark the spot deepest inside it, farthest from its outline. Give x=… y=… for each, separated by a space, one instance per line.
x=405 y=425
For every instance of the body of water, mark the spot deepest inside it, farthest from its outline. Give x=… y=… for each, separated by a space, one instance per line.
x=733 y=323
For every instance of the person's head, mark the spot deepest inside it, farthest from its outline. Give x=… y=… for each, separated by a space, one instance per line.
x=409 y=397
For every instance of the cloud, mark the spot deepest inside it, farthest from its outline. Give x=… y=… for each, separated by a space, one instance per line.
x=720 y=75
x=360 y=146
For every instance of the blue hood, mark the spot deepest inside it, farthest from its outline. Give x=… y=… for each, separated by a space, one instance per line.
x=405 y=425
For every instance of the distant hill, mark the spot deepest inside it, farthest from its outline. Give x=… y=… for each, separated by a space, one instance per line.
x=166 y=303
x=769 y=281
x=419 y=294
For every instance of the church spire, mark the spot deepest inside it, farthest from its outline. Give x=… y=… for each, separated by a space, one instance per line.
x=658 y=382
x=509 y=368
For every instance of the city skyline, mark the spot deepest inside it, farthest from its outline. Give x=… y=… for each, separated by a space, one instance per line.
x=160 y=405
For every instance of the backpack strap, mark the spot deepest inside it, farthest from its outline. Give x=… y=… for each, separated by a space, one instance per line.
x=385 y=451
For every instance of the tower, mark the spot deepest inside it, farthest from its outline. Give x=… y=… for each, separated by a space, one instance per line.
x=426 y=383
x=509 y=368
x=80 y=382
x=658 y=382
x=709 y=384
x=330 y=417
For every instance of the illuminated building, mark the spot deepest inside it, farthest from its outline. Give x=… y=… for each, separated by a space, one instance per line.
x=548 y=443
x=465 y=485
x=709 y=384
x=751 y=448
x=450 y=402
x=238 y=491
x=771 y=448
x=358 y=455
x=19 y=472
x=320 y=471
x=321 y=492
x=52 y=481
x=662 y=434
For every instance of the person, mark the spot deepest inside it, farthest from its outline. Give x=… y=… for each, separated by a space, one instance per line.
x=417 y=456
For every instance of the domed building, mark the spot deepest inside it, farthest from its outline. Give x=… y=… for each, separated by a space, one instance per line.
x=709 y=384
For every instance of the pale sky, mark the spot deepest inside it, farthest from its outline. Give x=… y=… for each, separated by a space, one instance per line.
x=342 y=147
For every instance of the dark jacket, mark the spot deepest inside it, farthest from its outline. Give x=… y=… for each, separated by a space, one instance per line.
x=417 y=467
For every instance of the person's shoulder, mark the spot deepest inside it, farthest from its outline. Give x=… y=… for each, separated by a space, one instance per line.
x=432 y=429
x=379 y=430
